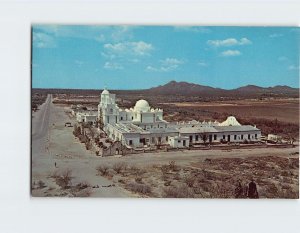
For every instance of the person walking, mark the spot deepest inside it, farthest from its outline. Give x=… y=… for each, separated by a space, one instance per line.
x=252 y=190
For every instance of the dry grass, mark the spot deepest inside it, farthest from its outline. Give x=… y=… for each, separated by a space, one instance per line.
x=103 y=169
x=139 y=188
x=63 y=178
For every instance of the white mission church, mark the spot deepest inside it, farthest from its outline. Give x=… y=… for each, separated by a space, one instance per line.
x=144 y=126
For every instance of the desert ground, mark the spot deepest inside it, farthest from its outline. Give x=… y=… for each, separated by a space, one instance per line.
x=61 y=166
x=285 y=110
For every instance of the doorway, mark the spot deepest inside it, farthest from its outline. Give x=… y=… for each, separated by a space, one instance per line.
x=228 y=138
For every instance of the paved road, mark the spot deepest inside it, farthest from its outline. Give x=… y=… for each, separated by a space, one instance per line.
x=40 y=124
x=40 y=129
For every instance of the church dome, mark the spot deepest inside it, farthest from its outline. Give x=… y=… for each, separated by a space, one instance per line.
x=105 y=92
x=142 y=105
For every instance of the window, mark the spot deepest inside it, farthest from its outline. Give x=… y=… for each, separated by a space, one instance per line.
x=153 y=139
x=132 y=118
x=121 y=118
x=248 y=136
x=111 y=110
x=223 y=137
x=159 y=139
x=242 y=136
x=197 y=138
x=179 y=141
x=234 y=137
x=215 y=137
x=255 y=135
x=130 y=142
x=167 y=138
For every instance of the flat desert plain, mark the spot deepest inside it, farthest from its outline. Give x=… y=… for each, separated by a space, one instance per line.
x=285 y=110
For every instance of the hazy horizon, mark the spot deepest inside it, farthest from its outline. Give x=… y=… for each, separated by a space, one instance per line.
x=141 y=57
x=150 y=87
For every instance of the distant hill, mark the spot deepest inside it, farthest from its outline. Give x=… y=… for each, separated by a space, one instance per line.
x=185 y=88
x=189 y=89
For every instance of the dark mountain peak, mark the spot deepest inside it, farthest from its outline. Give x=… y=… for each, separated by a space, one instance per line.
x=249 y=88
x=185 y=88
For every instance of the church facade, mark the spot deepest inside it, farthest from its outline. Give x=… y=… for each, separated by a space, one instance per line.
x=143 y=126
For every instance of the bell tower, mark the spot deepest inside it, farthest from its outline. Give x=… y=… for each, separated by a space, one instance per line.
x=108 y=110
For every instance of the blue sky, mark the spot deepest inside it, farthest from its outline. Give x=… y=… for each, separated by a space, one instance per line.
x=138 y=57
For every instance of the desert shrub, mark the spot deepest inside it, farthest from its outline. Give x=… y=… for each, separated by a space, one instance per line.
x=136 y=171
x=110 y=173
x=172 y=165
x=190 y=180
x=178 y=192
x=167 y=183
x=118 y=167
x=83 y=192
x=197 y=190
x=164 y=169
x=122 y=181
x=41 y=184
x=139 y=188
x=82 y=138
x=64 y=179
x=83 y=185
x=177 y=176
x=272 y=191
x=88 y=145
x=103 y=169
x=138 y=179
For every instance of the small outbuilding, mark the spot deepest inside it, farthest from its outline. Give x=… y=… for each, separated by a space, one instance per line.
x=179 y=141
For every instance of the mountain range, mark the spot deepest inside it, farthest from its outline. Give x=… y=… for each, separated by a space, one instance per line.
x=185 y=88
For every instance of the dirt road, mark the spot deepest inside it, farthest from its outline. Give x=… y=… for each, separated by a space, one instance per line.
x=52 y=143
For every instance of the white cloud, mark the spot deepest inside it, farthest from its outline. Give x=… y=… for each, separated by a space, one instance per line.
x=100 y=38
x=91 y=32
x=275 y=35
x=171 y=61
x=139 y=48
x=166 y=65
x=112 y=66
x=43 y=40
x=282 y=58
x=79 y=63
x=229 y=42
x=230 y=53
x=196 y=29
x=122 y=33
x=134 y=60
x=202 y=63
x=293 y=67
x=151 y=68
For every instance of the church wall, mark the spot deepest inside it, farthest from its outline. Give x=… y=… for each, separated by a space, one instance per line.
x=218 y=136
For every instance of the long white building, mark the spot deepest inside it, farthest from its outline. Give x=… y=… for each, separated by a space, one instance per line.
x=144 y=126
